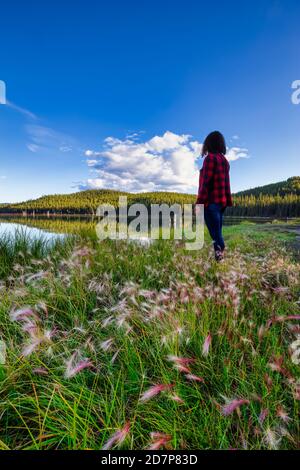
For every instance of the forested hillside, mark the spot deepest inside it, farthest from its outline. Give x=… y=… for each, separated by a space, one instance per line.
x=290 y=186
x=275 y=200
x=86 y=202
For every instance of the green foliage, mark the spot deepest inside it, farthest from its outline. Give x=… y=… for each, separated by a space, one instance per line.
x=152 y=303
x=290 y=186
x=262 y=205
x=86 y=202
x=275 y=200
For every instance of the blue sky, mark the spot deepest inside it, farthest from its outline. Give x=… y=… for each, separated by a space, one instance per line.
x=121 y=94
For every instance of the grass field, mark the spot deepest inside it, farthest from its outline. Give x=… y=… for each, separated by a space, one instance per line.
x=115 y=344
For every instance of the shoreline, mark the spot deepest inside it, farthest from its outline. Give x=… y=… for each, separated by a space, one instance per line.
x=91 y=216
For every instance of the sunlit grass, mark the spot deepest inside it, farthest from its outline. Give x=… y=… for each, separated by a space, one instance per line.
x=152 y=303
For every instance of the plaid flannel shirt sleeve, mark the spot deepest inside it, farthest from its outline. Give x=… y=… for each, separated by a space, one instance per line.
x=205 y=179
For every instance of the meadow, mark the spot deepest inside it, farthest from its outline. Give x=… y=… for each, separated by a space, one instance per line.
x=118 y=345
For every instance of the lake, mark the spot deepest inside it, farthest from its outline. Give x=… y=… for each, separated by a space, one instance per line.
x=51 y=228
x=9 y=230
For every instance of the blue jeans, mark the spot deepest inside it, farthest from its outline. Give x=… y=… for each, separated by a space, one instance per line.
x=213 y=216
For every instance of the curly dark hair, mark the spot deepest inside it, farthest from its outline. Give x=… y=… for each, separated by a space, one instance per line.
x=214 y=143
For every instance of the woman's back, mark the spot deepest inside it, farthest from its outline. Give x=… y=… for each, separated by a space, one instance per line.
x=214 y=183
x=214 y=188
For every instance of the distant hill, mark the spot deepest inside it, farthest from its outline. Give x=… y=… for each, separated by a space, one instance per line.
x=272 y=200
x=290 y=186
x=275 y=200
x=88 y=201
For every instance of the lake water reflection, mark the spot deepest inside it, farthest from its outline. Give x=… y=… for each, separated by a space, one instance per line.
x=10 y=229
x=51 y=228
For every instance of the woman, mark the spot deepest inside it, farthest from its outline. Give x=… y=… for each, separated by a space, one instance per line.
x=214 y=188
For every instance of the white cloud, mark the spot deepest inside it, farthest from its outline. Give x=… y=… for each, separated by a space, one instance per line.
x=65 y=148
x=168 y=162
x=25 y=112
x=44 y=138
x=33 y=147
x=89 y=153
x=235 y=153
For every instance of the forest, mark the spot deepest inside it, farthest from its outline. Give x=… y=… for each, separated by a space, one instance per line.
x=274 y=200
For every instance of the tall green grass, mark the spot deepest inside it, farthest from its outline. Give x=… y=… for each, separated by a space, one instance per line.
x=152 y=303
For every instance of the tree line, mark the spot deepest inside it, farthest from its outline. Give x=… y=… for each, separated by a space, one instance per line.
x=275 y=200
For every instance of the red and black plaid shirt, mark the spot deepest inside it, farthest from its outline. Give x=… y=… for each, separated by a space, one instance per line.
x=214 y=183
